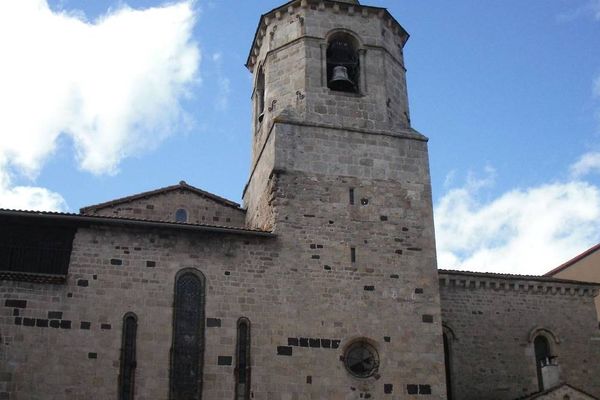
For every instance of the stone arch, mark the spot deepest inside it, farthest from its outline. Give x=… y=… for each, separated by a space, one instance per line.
x=343 y=49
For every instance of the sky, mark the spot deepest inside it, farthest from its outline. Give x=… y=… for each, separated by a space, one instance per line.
x=103 y=99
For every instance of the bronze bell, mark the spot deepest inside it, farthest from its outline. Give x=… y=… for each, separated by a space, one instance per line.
x=340 y=81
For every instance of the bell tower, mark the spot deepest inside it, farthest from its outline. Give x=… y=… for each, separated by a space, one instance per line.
x=342 y=179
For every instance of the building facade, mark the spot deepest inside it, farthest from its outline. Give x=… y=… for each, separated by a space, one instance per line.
x=322 y=286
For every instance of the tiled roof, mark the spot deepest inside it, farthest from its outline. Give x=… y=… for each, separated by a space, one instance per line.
x=180 y=186
x=573 y=260
x=494 y=275
x=81 y=219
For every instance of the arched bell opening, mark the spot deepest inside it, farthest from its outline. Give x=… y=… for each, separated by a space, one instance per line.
x=343 y=63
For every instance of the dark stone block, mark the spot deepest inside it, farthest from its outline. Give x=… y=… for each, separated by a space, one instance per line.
x=55 y=323
x=404 y=229
x=150 y=264
x=69 y=294
x=428 y=319
x=387 y=339
x=83 y=282
x=64 y=324
x=399 y=251
x=41 y=323
x=314 y=342
x=213 y=323
x=412 y=389
x=292 y=341
x=309 y=380
x=326 y=343
x=55 y=314
x=369 y=288
x=284 y=350
x=327 y=268
x=395 y=276
x=227 y=273
x=315 y=256
x=303 y=342
x=29 y=321
x=418 y=291
x=93 y=355
x=224 y=360
x=424 y=389
x=85 y=325
x=414 y=249
x=16 y=303
x=105 y=326
x=116 y=261
x=335 y=344
x=313 y=246
x=95 y=277
x=16 y=312
x=18 y=320
x=383 y=217
x=319 y=246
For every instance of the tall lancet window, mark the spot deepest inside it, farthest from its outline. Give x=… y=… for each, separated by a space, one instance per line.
x=260 y=95
x=242 y=368
x=343 y=66
x=187 y=351
x=128 y=361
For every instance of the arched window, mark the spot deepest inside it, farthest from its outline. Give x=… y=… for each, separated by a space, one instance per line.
x=543 y=357
x=181 y=215
x=448 y=365
x=242 y=368
x=343 y=66
x=128 y=360
x=187 y=350
x=260 y=95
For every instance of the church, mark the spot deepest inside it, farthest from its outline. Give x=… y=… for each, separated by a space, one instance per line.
x=322 y=285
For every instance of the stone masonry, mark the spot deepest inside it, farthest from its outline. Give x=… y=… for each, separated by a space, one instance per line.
x=334 y=247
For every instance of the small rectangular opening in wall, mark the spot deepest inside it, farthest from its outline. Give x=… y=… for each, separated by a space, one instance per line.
x=351 y=196
x=353 y=254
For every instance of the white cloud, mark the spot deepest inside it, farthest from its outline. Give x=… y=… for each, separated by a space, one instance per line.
x=526 y=231
x=113 y=86
x=590 y=8
x=224 y=84
x=587 y=163
x=28 y=198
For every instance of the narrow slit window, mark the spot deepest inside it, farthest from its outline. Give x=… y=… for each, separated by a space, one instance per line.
x=242 y=370
x=353 y=254
x=351 y=196
x=260 y=96
x=128 y=358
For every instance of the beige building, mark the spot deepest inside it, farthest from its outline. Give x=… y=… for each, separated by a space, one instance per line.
x=585 y=267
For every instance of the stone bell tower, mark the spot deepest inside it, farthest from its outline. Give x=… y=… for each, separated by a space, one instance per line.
x=343 y=180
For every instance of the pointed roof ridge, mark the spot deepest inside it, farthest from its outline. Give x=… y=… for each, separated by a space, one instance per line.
x=181 y=185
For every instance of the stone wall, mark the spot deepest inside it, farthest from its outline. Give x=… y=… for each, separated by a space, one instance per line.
x=491 y=322
x=163 y=206
x=63 y=341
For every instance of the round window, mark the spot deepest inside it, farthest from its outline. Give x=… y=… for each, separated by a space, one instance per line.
x=361 y=359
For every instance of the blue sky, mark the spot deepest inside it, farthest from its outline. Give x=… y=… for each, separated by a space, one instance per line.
x=508 y=93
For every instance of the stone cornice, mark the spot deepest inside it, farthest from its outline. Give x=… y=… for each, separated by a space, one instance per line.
x=337 y=6
x=517 y=283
